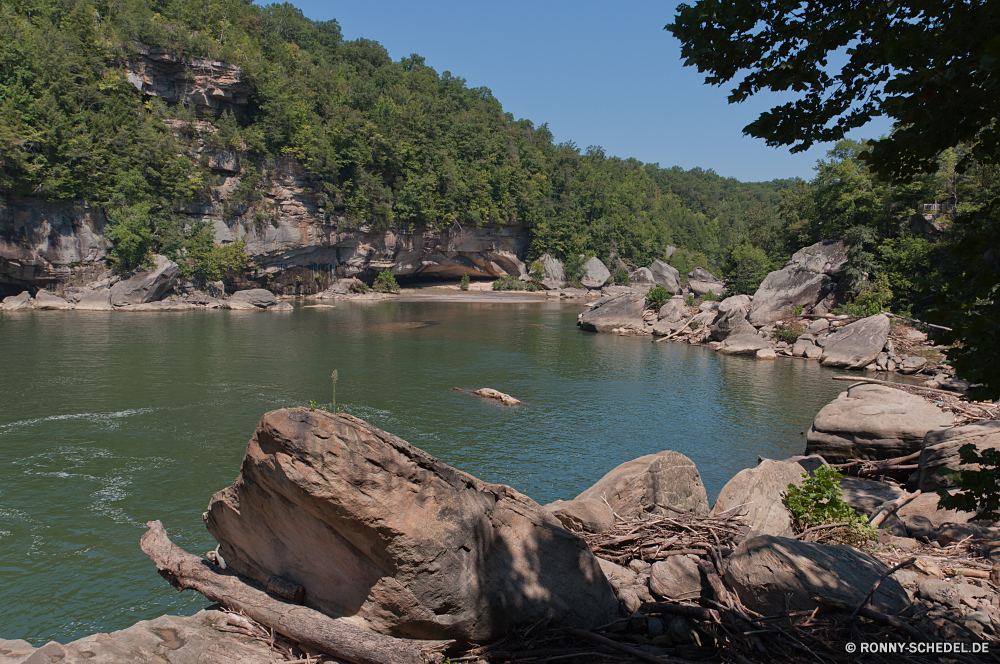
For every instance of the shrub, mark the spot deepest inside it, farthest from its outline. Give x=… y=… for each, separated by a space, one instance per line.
x=710 y=296
x=795 y=310
x=358 y=287
x=745 y=268
x=512 y=283
x=819 y=501
x=656 y=297
x=621 y=277
x=789 y=334
x=537 y=271
x=980 y=488
x=130 y=229
x=689 y=301
x=464 y=284
x=573 y=267
x=385 y=282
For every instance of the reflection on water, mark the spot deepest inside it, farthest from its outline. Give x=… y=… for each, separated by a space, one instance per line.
x=109 y=420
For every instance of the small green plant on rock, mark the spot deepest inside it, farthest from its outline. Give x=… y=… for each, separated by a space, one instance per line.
x=789 y=334
x=794 y=310
x=537 y=271
x=622 y=278
x=819 y=501
x=689 y=301
x=464 y=284
x=510 y=282
x=656 y=297
x=710 y=296
x=385 y=282
x=359 y=287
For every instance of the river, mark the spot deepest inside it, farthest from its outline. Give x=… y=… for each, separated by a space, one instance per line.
x=109 y=420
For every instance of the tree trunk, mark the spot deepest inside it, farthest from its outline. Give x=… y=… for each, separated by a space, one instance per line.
x=301 y=624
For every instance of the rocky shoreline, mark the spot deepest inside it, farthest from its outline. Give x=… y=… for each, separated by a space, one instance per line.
x=415 y=549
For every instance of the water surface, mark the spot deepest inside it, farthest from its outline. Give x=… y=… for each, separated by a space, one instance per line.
x=111 y=419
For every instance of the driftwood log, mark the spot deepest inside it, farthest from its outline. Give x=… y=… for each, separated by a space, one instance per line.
x=301 y=624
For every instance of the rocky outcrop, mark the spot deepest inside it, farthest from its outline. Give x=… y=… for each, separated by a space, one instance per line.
x=146 y=286
x=16 y=302
x=776 y=574
x=757 y=494
x=732 y=318
x=173 y=639
x=612 y=313
x=666 y=275
x=45 y=300
x=743 y=344
x=806 y=280
x=873 y=422
x=378 y=530
x=594 y=273
x=98 y=299
x=940 y=452
x=553 y=275
x=641 y=485
x=855 y=346
x=256 y=298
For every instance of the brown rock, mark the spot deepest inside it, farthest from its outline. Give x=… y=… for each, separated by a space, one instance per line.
x=634 y=487
x=940 y=452
x=381 y=531
x=677 y=577
x=505 y=399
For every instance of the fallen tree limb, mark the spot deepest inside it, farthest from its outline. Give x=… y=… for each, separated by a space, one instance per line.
x=696 y=612
x=889 y=383
x=822 y=527
x=301 y=624
x=896 y=461
x=676 y=332
x=620 y=647
x=919 y=322
x=871 y=614
x=905 y=563
x=887 y=510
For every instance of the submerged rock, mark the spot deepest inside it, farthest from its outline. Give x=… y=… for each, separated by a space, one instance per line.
x=378 y=530
x=647 y=484
x=505 y=399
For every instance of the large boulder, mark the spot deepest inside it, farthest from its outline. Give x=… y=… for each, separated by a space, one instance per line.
x=672 y=311
x=732 y=318
x=666 y=275
x=701 y=274
x=594 y=273
x=379 y=531
x=174 y=639
x=743 y=344
x=873 y=422
x=17 y=302
x=256 y=298
x=807 y=279
x=45 y=300
x=855 y=346
x=703 y=288
x=757 y=494
x=642 y=278
x=98 y=299
x=146 y=285
x=775 y=574
x=553 y=275
x=939 y=454
x=614 y=312
x=642 y=485
x=826 y=257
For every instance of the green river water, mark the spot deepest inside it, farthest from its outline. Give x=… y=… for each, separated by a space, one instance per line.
x=109 y=420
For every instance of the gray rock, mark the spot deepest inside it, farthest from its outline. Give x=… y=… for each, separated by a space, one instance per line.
x=14 y=651
x=800 y=347
x=95 y=300
x=775 y=574
x=672 y=311
x=677 y=577
x=826 y=257
x=595 y=274
x=665 y=275
x=708 y=306
x=940 y=592
x=643 y=277
x=912 y=364
x=766 y=354
x=701 y=274
x=682 y=631
x=410 y=546
x=17 y=302
x=873 y=422
x=787 y=288
x=732 y=318
x=216 y=289
x=45 y=300
x=703 y=288
x=256 y=298
x=939 y=453
x=813 y=353
x=617 y=312
x=818 y=326
x=635 y=487
x=146 y=286
x=856 y=345
x=554 y=277
x=281 y=306
x=757 y=494
x=925 y=513
x=743 y=344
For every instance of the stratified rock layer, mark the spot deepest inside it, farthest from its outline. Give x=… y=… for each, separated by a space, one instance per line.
x=378 y=530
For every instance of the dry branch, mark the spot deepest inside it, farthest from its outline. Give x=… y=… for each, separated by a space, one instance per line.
x=301 y=624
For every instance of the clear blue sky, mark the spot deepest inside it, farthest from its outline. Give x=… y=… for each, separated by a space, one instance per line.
x=598 y=73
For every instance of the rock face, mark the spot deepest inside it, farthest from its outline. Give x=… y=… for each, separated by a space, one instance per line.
x=665 y=275
x=732 y=318
x=595 y=274
x=873 y=422
x=807 y=279
x=634 y=487
x=256 y=298
x=939 y=454
x=855 y=346
x=552 y=267
x=173 y=639
x=775 y=574
x=146 y=286
x=612 y=313
x=761 y=491
x=743 y=344
x=381 y=531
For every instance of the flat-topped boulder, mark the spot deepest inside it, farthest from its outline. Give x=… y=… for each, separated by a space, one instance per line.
x=745 y=343
x=256 y=298
x=873 y=422
x=615 y=312
x=855 y=346
x=45 y=300
x=642 y=485
x=381 y=532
